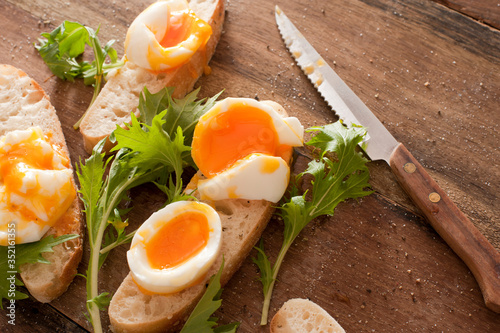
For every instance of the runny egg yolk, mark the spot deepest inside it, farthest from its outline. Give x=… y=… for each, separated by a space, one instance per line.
x=165 y=36
x=181 y=26
x=177 y=241
x=185 y=30
x=232 y=135
x=29 y=153
x=36 y=188
x=175 y=247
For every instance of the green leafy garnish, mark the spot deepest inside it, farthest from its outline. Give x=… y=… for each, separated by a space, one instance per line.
x=61 y=49
x=11 y=258
x=183 y=112
x=333 y=182
x=144 y=153
x=201 y=320
x=101 y=197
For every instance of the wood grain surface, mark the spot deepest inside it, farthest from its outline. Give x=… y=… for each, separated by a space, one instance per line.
x=487 y=12
x=431 y=74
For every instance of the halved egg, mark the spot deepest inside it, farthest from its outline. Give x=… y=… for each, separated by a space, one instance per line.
x=165 y=35
x=240 y=180
x=36 y=186
x=174 y=248
x=239 y=147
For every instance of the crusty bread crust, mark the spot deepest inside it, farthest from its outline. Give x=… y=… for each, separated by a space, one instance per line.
x=120 y=95
x=301 y=315
x=243 y=221
x=132 y=310
x=24 y=104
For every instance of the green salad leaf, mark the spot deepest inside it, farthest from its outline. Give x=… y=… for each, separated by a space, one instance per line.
x=182 y=113
x=128 y=168
x=201 y=320
x=11 y=258
x=144 y=153
x=62 y=48
x=333 y=180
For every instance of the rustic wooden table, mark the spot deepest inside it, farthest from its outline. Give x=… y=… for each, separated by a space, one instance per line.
x=430 y=72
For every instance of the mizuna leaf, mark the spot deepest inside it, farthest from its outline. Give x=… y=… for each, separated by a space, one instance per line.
x=152 y=104
x=151 y=144
x=22 y=254
x=182 y=113
x=201 y=320
x=339 y=173
x=144 y=153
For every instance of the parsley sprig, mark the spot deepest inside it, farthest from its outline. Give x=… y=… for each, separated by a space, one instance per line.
x=62 y=48
x=333 y=182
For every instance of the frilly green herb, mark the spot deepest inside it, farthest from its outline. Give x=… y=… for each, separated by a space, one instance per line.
x=144 y=153
x=333 y=182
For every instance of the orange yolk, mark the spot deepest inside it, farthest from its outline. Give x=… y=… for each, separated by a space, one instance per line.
x=30 y=155
x=177 y=241
x=179 y=29
x=232 y=135
x=183 y=25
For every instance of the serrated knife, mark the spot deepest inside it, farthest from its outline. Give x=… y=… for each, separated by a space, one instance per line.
x=452 y=225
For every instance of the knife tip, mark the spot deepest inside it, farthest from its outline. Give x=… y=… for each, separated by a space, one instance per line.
x=277 y=10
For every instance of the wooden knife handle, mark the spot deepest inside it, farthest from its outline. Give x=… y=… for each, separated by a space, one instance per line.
x=451 y=224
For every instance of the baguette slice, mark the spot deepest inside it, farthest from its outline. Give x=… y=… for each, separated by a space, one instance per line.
x=24 y=104
x=120 y=95
x=301 y=315
x=243 y=222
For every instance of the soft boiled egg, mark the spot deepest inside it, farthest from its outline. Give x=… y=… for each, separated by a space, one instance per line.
x=165 y=36
x=240 y=146
x=174 y=248
x=36 y=186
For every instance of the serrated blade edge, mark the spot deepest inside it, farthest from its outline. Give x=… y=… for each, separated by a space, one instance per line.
x=379 y=143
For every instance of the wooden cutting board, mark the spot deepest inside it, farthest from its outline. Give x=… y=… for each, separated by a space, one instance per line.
x=430 y=73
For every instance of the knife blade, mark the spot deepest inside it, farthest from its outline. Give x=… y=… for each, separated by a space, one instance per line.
x=445 y=217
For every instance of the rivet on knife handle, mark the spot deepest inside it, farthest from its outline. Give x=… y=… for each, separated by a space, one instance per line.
x=452 y=225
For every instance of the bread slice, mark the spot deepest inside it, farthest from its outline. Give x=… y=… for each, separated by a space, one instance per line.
x=120 y=95
x=301 y=315
x=24 y=104
x=243 y=222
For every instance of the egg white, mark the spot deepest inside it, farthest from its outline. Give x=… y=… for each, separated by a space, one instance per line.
x=249 y=179
x=142 y=46
x=25 y=231
x=55 y=183
x=289 y=129
x=173 y=279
